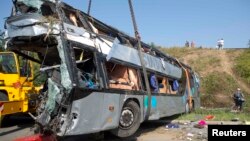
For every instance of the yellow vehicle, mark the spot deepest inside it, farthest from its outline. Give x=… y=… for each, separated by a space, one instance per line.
x=17 y=90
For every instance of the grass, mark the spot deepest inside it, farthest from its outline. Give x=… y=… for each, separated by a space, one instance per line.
x=178 y=52
x=203 y=63
x=219 y=115
x=214 y=84
x=242 y=66
x=217 y=82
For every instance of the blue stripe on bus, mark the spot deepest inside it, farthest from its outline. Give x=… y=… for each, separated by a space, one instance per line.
x=153 y=101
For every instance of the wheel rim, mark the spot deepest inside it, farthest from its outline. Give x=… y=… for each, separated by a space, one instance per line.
x=127 y=118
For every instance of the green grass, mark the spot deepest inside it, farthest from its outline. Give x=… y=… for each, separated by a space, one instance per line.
x=216 y=83
x=242 y=67
x=219 y=115
x=177 y=52
x=203 y=63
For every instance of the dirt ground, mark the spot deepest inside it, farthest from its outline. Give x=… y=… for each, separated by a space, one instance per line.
x=16 y=127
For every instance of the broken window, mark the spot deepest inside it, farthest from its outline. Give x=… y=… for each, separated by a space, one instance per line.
x=163 y=81
x=87 y=74
x=72 y=17
x=122 y=77
x=173 y=86
x=48 y=9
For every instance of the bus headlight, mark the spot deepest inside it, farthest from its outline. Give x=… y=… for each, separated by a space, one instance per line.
x=1 y=82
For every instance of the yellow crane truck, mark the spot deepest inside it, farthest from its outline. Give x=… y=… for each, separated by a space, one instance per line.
x=17 y=91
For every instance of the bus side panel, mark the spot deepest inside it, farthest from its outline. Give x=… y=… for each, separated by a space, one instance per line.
x=95 y=112
x=164 y=106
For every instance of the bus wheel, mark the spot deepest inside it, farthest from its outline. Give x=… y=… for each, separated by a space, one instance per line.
x=3 y=97
x=129 y=120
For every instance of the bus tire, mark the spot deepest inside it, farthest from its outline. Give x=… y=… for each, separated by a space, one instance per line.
x=129 y=120
x=3 y=97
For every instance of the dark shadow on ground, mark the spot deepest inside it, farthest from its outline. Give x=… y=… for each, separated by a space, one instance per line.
x=145 y=127
x=21 y=121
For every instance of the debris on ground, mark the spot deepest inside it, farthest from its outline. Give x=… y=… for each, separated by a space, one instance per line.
x=235 y=119
x=172 y=125
x=209 y=117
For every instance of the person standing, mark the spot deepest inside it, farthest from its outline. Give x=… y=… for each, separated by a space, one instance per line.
x=220 y=44
x=187 y=44
x=192 y=44
x=238 y=99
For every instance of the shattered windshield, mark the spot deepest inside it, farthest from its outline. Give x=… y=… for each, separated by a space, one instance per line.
x=7 y=63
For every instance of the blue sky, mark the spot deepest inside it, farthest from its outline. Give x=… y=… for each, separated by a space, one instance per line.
x=172 y=22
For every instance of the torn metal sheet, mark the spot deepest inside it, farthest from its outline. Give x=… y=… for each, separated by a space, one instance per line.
x=30 y=25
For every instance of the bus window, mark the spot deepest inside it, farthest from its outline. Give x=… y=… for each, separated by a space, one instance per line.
x=153 y=82
x=122 y=77
x=133 y=77
x=163 y=81
x=173 y=86
x=87 y=75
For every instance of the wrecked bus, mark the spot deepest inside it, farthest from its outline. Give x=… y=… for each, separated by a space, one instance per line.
x=95 y=80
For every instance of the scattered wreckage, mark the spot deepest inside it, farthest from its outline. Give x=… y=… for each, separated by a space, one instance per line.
x=95 y=80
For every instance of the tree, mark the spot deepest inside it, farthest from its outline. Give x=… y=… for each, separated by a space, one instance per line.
x=249 y=43
x=2 y=42
x=152 y=45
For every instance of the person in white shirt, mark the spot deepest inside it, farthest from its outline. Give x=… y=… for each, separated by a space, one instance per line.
x=220 y=44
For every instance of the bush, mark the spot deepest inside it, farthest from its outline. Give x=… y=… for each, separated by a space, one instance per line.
x=214 y=84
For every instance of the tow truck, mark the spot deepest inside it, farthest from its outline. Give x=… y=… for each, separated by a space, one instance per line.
x=17 y=91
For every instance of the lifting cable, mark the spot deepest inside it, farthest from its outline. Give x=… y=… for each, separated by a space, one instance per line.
x=138 y=38
x=89 y=6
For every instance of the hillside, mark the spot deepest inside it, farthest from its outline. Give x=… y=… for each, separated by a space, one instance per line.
x=221 y=72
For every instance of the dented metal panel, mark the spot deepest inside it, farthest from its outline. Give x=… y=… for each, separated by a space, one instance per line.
x=30 y=25
x=130 y=55
x=94 y=113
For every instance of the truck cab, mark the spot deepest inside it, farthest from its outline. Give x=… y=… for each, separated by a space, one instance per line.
x=17 y=90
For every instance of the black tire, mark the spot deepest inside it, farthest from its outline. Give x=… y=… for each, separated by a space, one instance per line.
x=3 y=97
x=129 y=120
